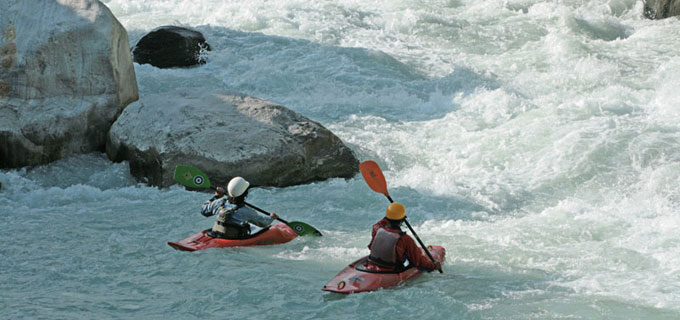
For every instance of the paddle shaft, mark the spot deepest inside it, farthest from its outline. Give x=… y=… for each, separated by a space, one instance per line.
x=265 y=212
x=421 y=244
x=300 y=228
x=258 y=209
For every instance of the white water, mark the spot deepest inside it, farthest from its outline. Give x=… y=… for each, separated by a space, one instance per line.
x=537 y=141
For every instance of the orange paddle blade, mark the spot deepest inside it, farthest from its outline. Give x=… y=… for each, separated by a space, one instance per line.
x=374 y=176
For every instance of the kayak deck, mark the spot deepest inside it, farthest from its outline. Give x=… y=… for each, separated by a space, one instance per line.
x=276 y=234
x=360 y=276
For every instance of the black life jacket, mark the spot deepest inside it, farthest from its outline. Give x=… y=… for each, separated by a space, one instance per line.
x=225 y=228
x=384 y=249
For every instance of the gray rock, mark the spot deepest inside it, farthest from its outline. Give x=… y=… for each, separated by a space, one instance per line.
x=225 y=136
x=661 y=9
x=65 y=75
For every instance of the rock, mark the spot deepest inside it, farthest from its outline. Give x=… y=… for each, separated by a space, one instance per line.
x=65 y=75
x=225 y=136
x=661 y=9
x=171 y=46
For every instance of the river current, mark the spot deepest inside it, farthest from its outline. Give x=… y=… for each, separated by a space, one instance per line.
x=537 y=141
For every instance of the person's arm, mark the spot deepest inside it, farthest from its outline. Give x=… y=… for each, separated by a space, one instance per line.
x=255 y=218
x=210 y=206
x=415 y=256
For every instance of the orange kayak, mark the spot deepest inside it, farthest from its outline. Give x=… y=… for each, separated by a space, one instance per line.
x=276 y=234
x=362 y=276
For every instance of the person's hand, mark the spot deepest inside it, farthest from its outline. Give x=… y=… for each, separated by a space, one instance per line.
x=437 y=265
x=219 y=192
x=274 y=216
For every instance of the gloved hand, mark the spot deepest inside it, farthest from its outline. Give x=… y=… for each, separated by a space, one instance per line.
x=219 y=192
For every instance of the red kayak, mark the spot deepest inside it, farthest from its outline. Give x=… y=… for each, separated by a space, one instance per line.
x=362 y=276
x=278 y=233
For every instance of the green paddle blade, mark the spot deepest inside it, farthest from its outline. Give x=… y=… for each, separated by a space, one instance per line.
x=191 y=177
x=303 y=229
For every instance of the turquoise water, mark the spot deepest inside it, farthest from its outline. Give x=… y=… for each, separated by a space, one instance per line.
x=537 y=141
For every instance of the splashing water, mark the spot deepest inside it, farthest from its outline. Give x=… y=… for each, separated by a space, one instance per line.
x=536 y=141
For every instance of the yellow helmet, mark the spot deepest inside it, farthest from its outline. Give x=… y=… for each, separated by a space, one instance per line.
x=395 y=211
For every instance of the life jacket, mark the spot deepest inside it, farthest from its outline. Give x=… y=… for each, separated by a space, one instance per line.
x=225 y=228
x=384 y=249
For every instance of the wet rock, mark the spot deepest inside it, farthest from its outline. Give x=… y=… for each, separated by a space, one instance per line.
x=65 y=75
x=225 y=136
x=661 y=9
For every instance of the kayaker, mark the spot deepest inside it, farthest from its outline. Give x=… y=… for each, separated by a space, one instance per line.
x=391 y=247
x=233 y=217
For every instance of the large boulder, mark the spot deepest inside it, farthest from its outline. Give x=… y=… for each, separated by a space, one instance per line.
x=65 y=75
x=171 y=46
x=661 y=9
x=225 y=136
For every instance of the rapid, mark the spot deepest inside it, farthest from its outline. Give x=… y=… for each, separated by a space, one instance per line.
x=537 y=141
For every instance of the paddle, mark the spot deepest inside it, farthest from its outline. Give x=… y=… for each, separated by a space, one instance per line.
x=191 y=177
x=376 y=181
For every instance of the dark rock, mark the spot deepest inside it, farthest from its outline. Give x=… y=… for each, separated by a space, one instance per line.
x=171 y=46
x=661 y=9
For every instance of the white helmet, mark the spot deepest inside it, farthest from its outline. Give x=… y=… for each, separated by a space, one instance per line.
x=237 y=187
